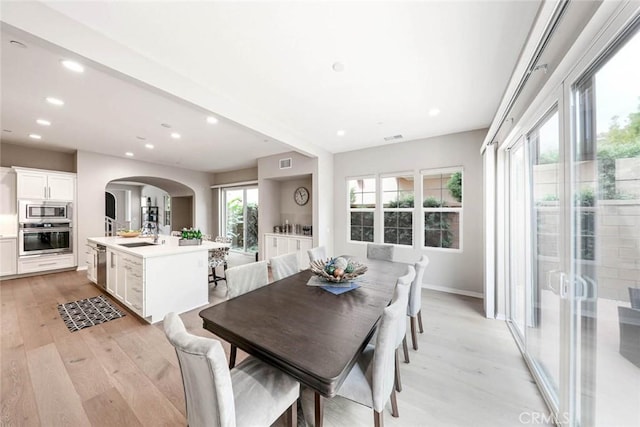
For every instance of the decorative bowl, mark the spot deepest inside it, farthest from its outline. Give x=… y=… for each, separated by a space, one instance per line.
x=128 y=233
x=325 y=269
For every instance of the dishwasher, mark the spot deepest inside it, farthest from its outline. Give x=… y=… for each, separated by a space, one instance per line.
x=101 y=263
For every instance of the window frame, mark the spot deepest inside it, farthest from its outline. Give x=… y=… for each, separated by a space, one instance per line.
x=411 y=210
x=459 y=210
x=372 y=210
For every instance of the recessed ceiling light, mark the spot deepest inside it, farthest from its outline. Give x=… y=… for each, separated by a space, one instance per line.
x=338 y=67
x=34 y=136
x=43 y=122
x=16 y=43
x=149 y=146
x=165 y=125
x=212 y=120
x=55 y=101
x=72 y=65
x=340 y=132
x=434 y=112
x=175 y=135
x=128 y=154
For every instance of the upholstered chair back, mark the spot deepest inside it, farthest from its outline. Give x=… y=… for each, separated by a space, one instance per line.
x=318 y=253
x=401 y=294
x=284 y=266
x=383 y=372
x=415 y=296
x=206 y=378
x=246 y=277
x=381 y=252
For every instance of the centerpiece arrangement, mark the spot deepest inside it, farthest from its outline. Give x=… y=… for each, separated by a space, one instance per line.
x=190 y=237
x=337 y=270
x=128 y=233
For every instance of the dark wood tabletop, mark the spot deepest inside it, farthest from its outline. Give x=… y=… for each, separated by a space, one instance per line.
x=307 y=332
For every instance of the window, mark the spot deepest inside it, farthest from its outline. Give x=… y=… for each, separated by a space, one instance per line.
x=397 y=208
x=241 y=217
x=362 y=205
x=442 y=208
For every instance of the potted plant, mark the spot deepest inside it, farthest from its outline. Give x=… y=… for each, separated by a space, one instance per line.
x=190 y=236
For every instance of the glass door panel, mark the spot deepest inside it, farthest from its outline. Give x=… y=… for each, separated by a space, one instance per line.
x=543 y=328
x=606 y=240
x=241 y=218
x=517 y=237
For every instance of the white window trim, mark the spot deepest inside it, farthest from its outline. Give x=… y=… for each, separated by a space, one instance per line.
x=380 y=229
x=423 y=210
x=350 y=209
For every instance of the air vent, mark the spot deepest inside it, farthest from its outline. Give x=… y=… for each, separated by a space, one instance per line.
x=392 y=138
x=285 y=163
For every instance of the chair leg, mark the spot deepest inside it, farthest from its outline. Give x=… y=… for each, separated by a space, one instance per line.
x=405 y=347
x=394 y=404
x=420 y=321
x=414 y=338
x=232 y=356
x=319 y=415
x=215 y=278
x=292 y=415
x=377 y=419
x=397 y=379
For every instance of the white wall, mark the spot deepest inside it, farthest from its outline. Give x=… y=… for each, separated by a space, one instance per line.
x=460 y=272
x=95 y=171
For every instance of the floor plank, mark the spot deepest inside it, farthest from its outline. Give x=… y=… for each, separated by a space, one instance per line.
x=58 y=402
x=109 y=409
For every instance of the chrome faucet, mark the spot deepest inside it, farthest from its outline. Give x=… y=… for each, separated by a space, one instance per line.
x=155 y=236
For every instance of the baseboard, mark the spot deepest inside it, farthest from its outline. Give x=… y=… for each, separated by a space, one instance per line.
x=82 y=268
x=453 y=291
x=500 y=316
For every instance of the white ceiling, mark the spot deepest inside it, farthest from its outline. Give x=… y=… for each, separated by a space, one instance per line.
x=264 y=65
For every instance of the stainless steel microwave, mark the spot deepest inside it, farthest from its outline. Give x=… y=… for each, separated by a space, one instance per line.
x=39 y=211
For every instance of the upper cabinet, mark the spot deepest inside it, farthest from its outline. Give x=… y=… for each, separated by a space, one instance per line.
x=45 y=185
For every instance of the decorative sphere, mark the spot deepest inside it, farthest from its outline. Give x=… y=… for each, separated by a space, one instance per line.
x=338 y=272
x=341 y=263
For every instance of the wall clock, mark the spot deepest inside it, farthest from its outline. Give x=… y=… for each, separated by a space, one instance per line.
x=301 y=196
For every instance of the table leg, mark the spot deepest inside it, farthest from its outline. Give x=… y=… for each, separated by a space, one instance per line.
x=319 y=409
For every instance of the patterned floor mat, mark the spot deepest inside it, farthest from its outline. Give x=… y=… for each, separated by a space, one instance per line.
x=88 y=312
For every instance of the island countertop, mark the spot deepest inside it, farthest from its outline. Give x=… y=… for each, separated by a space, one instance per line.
x=169 y=247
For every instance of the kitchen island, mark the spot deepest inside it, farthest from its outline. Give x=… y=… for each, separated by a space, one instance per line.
x=155 y=279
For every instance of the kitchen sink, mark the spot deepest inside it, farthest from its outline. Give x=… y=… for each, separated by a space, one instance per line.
x=136 y=244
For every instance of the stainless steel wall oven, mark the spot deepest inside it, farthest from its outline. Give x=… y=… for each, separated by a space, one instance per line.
x=45 y=238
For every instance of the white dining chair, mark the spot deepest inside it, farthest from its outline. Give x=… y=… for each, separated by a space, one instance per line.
x=317 y=254
x=381 y=252
x=414 y=308
x=284 y=265
x=371 y=380
x=240 y=280
x=251 y=394
x=401 y=293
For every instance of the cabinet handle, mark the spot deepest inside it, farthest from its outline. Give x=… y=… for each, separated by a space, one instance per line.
x=275 y=243
x=45 y=192
x=298 y=244
x=112 y=263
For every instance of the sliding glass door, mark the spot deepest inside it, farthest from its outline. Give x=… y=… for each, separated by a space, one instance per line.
x=573 y=208
x=240 y=217
x=605 y=241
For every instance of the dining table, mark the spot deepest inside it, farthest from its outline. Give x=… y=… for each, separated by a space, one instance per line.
x=306 y=331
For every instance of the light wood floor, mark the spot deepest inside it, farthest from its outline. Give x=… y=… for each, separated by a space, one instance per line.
x=467 y=371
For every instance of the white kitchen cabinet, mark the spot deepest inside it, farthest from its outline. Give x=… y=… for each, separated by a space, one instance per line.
x=279 y=244
x=115 y=274
x=92 y=263
x=35 y=184
x=8 y=192
x=37 y=263
x=8 y=259
x=300 y=245
x=133 y=283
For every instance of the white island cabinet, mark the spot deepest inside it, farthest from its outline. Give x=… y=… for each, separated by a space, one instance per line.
x=154 y=280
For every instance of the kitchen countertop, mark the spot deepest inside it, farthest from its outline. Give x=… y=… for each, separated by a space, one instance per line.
x=170 y=247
